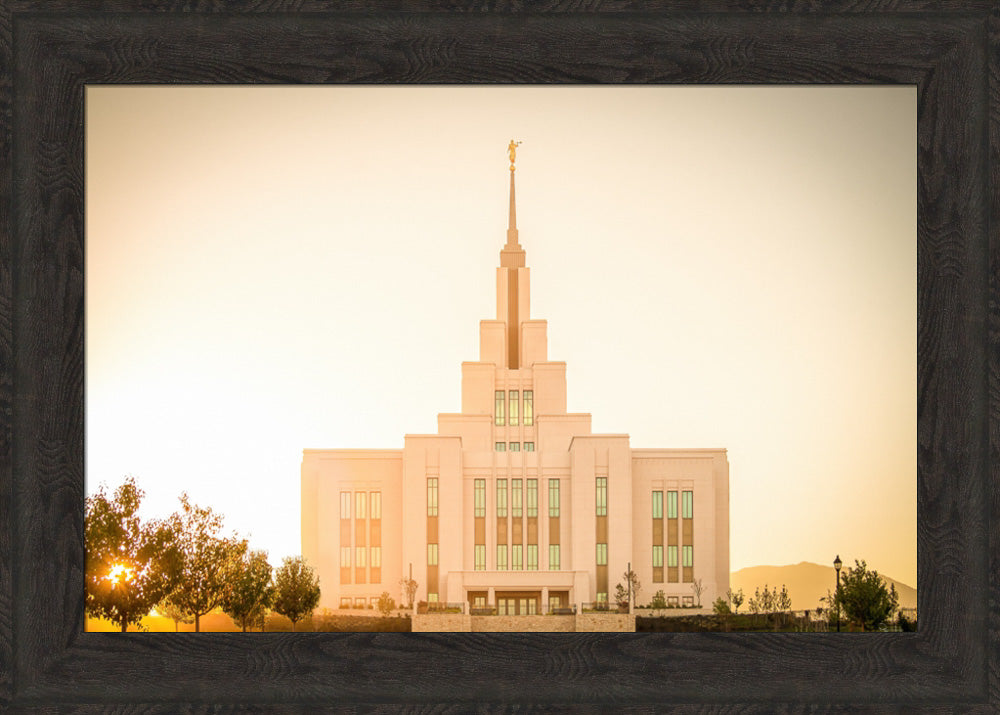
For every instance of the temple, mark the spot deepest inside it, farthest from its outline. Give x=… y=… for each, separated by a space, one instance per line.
x=515 y=507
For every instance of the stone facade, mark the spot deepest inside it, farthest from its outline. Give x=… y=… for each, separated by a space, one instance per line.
x=515 y=504
x=596 y=622
x=441 y=623
x=504 y=624
x=579 y=623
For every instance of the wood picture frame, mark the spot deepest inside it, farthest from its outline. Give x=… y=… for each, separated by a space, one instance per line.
x=49 y=52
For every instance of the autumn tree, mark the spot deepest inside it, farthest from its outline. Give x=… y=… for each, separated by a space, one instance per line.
x=249 y=591
x=130 y=565
x=297 y=589
x=206 y=559
x=864 y=597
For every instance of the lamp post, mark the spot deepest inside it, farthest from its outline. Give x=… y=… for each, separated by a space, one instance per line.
x=837 y=563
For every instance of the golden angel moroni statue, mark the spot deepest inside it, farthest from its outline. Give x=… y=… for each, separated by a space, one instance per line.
x=512 y=152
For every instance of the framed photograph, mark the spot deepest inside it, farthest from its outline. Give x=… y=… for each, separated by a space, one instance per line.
x=60 y=57
x=286 y=280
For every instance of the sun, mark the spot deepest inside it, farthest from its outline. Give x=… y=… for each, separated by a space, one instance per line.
x=119 y=573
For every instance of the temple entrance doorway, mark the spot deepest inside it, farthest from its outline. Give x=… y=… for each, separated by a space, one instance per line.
x=518 y=603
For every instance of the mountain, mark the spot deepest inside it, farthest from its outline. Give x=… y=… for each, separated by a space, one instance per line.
x=807 y=583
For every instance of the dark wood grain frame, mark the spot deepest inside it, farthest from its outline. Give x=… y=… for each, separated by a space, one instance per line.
x=49 y=51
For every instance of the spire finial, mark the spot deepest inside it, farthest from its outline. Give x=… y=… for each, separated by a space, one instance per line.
x=512 y=152
x=512 y=217
x=512 y=255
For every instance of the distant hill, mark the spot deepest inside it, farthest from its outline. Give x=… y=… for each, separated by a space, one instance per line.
x=807 y=583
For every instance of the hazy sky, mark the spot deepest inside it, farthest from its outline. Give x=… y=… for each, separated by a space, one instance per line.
x=273 y=268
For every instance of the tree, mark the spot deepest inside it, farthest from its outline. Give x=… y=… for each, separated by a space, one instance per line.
x=659 y=600
x=297 y=589
x=864 y=598
x=736 y=599
x=130 y=565
x=386 y=603
x=782 y=600
x=171 y=610
x=207 y=559
x=621 y=596
x=409 y=590
x=765 y=600
x=698 y=588
x=632 y=578
x=249 y=592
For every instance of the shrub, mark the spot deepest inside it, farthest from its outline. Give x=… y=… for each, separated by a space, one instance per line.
x=864 y=597
x=386 y=603
x=721 y=606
